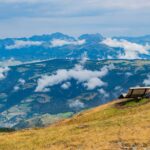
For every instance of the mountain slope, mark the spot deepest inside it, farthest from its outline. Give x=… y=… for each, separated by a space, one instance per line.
x=104 y=127
x=38 y=94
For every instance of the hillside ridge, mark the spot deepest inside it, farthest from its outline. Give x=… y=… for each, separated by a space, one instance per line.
x=103 y=127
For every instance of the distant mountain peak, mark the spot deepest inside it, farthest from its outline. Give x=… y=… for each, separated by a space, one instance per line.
x=59 y=35
x=92 y=37
x=49 y=37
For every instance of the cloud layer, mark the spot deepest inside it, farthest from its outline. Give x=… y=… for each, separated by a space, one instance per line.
x=110 y=17
x=76 y=104
x=131 y=50
x=9 y=62
x=59 y=42
x=18 y=44
x=21 y=44
x=88 y=78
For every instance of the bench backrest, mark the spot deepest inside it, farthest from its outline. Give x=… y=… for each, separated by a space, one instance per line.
x=133 y=93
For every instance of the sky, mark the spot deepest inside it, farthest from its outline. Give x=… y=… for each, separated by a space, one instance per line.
x=20 y=18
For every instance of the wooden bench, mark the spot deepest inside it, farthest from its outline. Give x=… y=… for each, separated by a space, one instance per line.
x=136 y=92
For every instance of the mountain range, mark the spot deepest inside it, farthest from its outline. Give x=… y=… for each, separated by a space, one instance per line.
x=61 y=46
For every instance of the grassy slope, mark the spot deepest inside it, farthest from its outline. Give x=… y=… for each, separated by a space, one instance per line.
x=105 y=127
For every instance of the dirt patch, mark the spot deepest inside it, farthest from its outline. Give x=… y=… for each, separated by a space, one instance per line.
x=123 y=145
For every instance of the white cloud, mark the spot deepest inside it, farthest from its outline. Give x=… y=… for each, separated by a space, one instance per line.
x=88 y=78
x=131 y=50
x=93 y=83
x=21 y=81
x=59 y=42
x=128 y=74
x=21 y=44
x=76 y=104
x=3 y=72
x=46 y=81
x=16 y=88
x=103 y=93
x=147 y=81
x=118 y=88
x=66 y=85
x=10 y=62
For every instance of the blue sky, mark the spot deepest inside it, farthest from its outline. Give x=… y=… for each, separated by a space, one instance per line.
x=74 y=17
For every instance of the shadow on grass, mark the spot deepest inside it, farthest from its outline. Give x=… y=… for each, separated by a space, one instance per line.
x=6 y=130
x=132 y=103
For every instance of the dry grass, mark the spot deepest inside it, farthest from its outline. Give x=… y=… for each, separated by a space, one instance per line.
x=101 y=128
